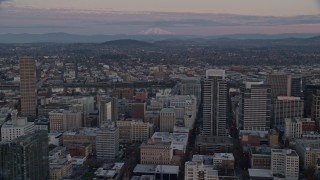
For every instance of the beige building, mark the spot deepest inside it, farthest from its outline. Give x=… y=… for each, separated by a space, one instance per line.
x=28 y=89
x=203 y=167
x=156 y=153
x=64 y=120
x=309 y=153
x=167 y=119
x=134 y=130
x=285 y=163
x=82 y=136
x=60 y=163
x=286 y=107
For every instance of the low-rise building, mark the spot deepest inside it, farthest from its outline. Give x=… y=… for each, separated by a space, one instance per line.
x=285 y=163
x=260 y=157
x=110 y=171
x=17 y=127
x=213 y=144
x=309 y=153
x=132 y=130
x=81 y=136
x=60 y=163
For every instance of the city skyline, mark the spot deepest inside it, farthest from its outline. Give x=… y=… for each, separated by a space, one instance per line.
x=142 y=17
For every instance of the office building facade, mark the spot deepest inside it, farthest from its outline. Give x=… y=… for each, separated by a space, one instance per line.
x=214 y=103
x=28 y=89
x=255 y=107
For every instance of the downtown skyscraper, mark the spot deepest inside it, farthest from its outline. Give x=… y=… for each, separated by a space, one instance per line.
x=255 y=106
x=215 y=103
x=28 y=89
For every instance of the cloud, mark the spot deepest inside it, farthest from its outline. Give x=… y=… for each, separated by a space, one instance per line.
x=113 y=22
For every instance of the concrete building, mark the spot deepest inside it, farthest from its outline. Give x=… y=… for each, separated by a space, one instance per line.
x=215 y=103
x=110 y=171
x=260 y=157
x=167 y=119
x=185 y=108
x=152 y=117
x=80 y=136
x=315 y=109
x=207 y=167
x=28 y=87
x=179 y=141
x=132 y=130
x=120 y=93
x=107 y=143
x=164 y=171
x=309 y=153
x=25 y=157
x=156 y=153
x=280 y=83
x=296 y=86
x=299 y=127
x=60 y=163
x=285 y=163
x=64 y=120
x=255 y=107
x=191 y=86
x=213 y=144
x=286 y=107
x=17 y=127
x=293 y=128
x=108 y=110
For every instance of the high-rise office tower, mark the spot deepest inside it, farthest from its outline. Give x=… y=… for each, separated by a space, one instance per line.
x=286 y=107
x=315 y=109
x=215 y=103
x=25 y=157
x=296 y=86
x=108 y=110
x=255 y=106
x=28 y=86
x=280 y=84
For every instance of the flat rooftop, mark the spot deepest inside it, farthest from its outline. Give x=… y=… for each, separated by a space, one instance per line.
x=263 y=173
x=223 y=156
x=155 y=169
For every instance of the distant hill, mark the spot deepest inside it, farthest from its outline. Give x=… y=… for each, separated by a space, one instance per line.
x=128 y=43
x=147 y=40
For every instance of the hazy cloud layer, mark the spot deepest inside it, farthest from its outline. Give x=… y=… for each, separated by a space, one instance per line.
x=28 y=20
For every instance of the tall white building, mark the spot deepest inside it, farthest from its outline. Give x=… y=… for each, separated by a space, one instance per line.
x=18 y=126
x=285 y=163
x=293 y=128
x=255 y=106
x=108 y=110
x=107 y=142
x=215 y=103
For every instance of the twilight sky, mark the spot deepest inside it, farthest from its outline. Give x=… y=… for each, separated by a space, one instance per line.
x=202 y=17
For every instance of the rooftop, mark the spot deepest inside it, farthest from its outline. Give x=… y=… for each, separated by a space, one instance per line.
x=223 y=156
x=155 y=169
x=288 y=152
x=263 y=173
x=167 y=110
